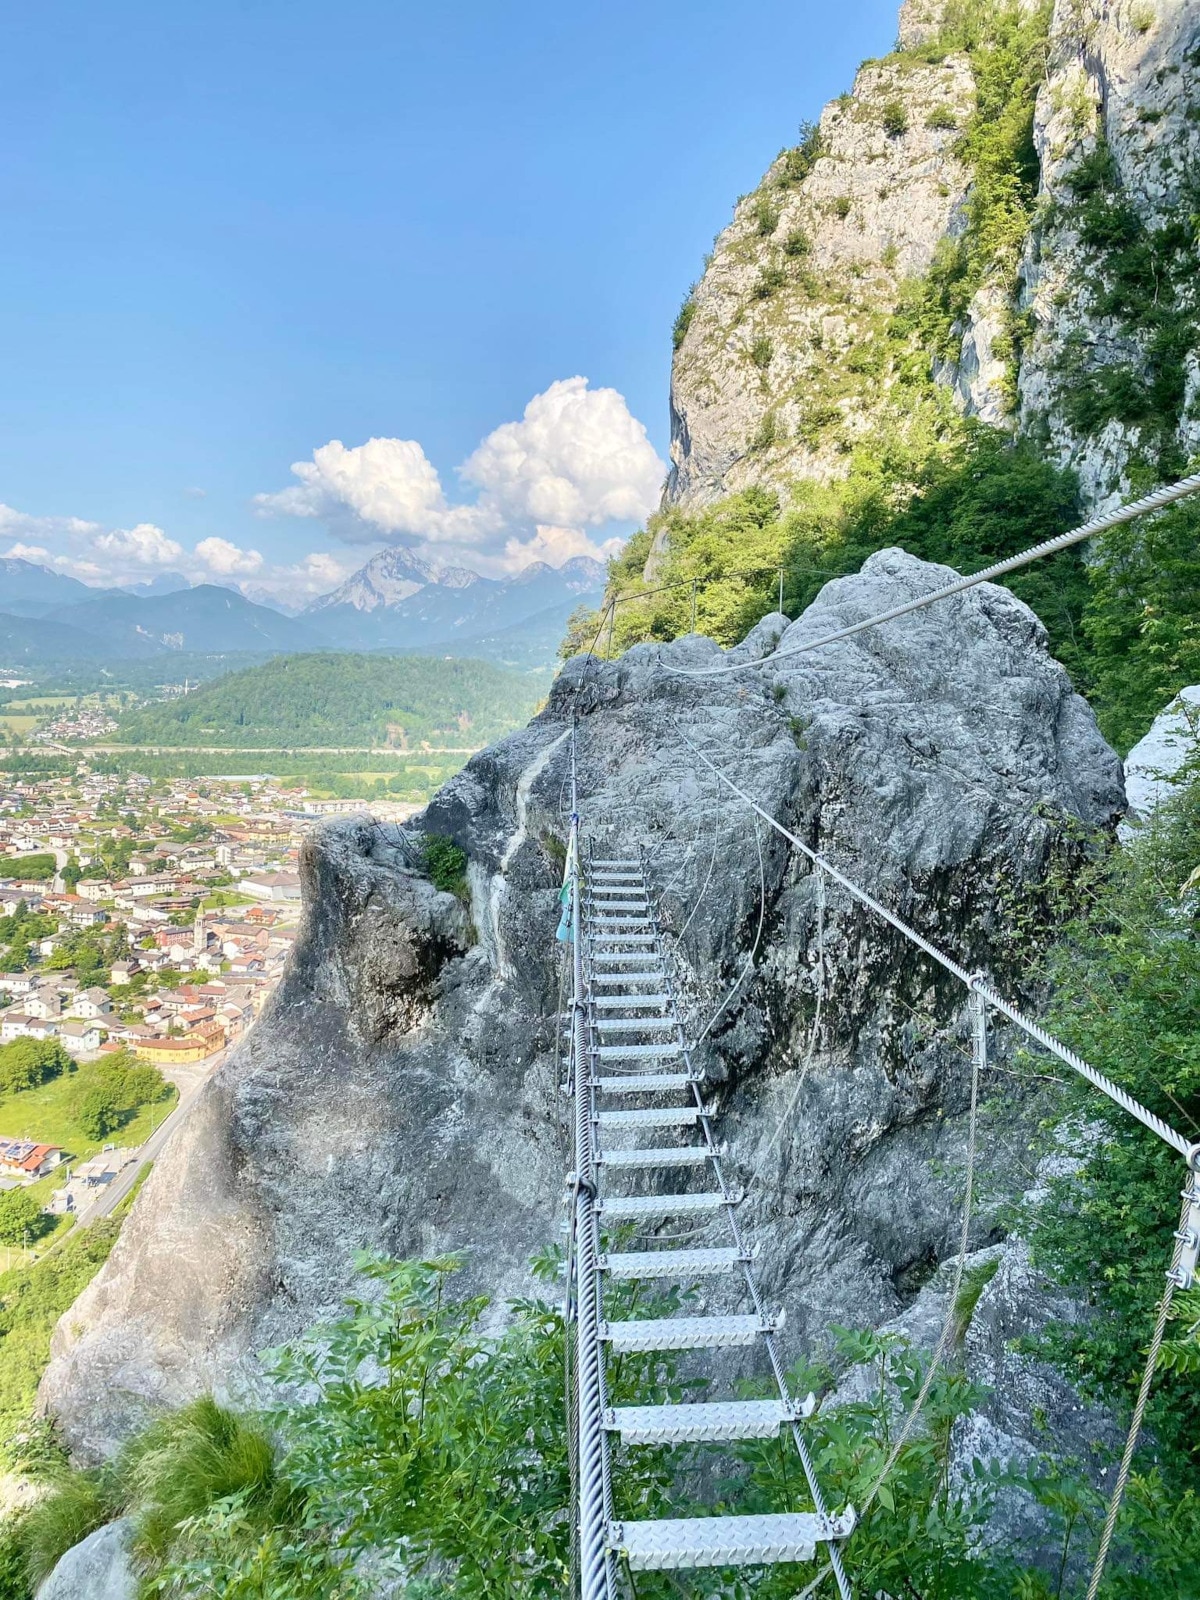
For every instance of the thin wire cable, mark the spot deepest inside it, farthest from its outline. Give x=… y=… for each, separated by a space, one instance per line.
x=994 y=999
x=978 y=1062
x=1048 y=547
x=1139 y=1410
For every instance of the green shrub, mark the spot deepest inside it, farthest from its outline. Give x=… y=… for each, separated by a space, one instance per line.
x=683 y=319
x=1142 y=620
x=766 y=216
x=941 y=117
x=770 y=280
x=32 y=1298
x=841 y=207
x=799 y=161
x=797 y=243
x=894 y=118
x=445 y=864
x=761 y=352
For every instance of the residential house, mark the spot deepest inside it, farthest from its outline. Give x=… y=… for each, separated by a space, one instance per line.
x=43 y=1002
x=81 y=1038
x=91 y=1003
x=22 y=1158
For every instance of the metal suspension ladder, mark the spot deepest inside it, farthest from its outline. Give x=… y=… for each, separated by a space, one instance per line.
x=633 y=1077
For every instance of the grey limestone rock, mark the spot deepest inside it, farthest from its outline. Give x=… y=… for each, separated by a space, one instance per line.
x=400 y=1093
x=98 y=1568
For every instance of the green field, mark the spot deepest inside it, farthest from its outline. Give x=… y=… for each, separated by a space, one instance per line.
x=44 y=1114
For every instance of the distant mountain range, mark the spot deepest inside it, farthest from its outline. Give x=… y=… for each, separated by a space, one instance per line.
x=396 y=602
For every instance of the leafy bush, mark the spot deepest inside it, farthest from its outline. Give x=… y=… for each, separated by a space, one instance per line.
x=842 y=206
x=21 y=1217
x=445 y=864
x=24 y=1063
x=1140 y=277
x=769 y=281
x=683 y=319
x=1142 y=620
x=799 y=161
x=766 y=216
x=1126 y=994
x=797 y=243
x=761 y=352
x=894 y=117
x=941 y=117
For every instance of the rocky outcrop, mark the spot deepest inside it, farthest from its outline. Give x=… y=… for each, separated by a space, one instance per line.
x=1086 y=337
x=1153 y=765
x=400 y=1094
x=98 y=1568
x=1110 y=371
x=763 y=386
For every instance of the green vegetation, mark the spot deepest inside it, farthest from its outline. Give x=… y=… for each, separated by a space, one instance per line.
x=982 y=499
x=37 y=868
x=22 y=1220
x=24 y=1063
x=79 y=1108
x=1126 y=994
x=894 y=117
x=18 y=933
x=1140 y=278
x=796 y=164
x=335 y=700
x=683 y=320
x=32 y=1298
x=113 y=1090
x=403 y=1426
x=1007 y=46
x=446 y=864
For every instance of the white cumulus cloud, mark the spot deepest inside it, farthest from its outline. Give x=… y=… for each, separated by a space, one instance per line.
x=576 y=459
x=227 y=559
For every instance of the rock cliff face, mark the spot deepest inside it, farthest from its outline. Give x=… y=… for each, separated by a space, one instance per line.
x=1080 y=328
x=401 y=1092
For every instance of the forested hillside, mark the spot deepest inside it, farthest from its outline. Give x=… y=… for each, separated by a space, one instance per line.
x=335 y=700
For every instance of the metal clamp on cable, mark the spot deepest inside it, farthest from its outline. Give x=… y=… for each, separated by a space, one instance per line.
x=1183 y=1272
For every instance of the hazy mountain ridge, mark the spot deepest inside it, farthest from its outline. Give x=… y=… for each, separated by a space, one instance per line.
x=396 y=601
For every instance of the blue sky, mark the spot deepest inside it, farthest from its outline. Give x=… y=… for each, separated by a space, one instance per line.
x=237 y=231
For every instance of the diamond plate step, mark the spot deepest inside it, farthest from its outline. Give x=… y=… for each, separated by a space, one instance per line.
x=646 y=1082
x=636 y=1052
x=633 y=1024
x=672 y=1263
x=620 y=1207
x=656 y=1117
x=712 y=1421
x=624 y=938
x=629 y=1002
x=685 y=1333
x=671 y=1155
x=617 y=866
x=676 y=1543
